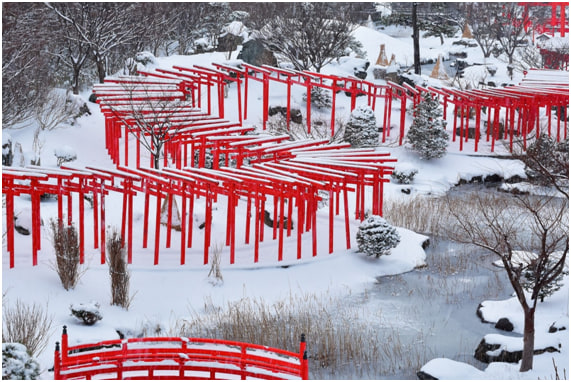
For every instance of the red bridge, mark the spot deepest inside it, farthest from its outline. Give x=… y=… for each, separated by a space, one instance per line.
x=177 y=358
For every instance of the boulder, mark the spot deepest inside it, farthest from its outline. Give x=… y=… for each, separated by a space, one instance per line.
x=295 y=114
x=254 y=53
x=504 y=324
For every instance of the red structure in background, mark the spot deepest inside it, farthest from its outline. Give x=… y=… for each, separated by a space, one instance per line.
x=556 y=24
x=176 y=358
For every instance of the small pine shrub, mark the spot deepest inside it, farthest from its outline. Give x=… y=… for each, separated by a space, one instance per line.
x=117 y=261
x=361 y=130
x=66 y=245
x=88 y=313
x=320 y=98
x=376 y=237
x=404 y=174
x=426 y=135
x=17 y=363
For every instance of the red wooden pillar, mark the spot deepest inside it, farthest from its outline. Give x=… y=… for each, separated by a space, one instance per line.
x=300 y=218
x=402 y=116
x=331 y=217
x=333 y=98
x=102 y=224
x=95 y=192
x=346 y=211
x=81 y=222
x=157 y=224
x=288 y=107
x=208 y=223
x=183 y=226
x=10 y=220
x=36 y=221
x=265 y=96
x=477 y=127
x=308 y=106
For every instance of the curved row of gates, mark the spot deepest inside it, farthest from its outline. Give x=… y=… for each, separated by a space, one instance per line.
x=170 y=104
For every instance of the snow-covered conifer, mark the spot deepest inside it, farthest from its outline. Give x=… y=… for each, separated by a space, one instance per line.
x=17 y=363
x=361 y=130
x=376 y=237
x=426 y=135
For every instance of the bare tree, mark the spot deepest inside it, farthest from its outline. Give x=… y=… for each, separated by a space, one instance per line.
x=482 y=17
x=57 y=110
x=25 y=68
x=311 y=37
x=105 y=27
x=150 y=121
x=510 y=28
x=538 y=225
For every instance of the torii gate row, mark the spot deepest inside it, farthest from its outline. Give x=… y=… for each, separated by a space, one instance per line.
x=279 y=182
x=521 y=101
x=37 y=181
x=308 y=79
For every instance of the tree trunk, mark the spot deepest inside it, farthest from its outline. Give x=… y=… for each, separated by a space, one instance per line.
x=415 y=40
x=75 y=80
x=101 y=69
x=528 y=340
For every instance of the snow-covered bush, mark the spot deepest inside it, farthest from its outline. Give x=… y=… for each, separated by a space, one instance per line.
x=66 y=245
x=17 y=363
x=320 y=98
x=376 y=237
x=118 y=272
x=426 y=135
x=404 y=173
x=65 y=154
x=361 y=130
x=141 y=61
x=89 y=313
x=546 y=159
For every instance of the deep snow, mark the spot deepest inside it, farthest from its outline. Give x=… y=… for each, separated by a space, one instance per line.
x=168 y=291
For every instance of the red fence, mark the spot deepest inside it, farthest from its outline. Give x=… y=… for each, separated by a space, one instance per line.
x=177 y=358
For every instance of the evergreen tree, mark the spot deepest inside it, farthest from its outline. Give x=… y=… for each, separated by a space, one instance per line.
x=426 y=134
x=376 y=237
x=361 y=130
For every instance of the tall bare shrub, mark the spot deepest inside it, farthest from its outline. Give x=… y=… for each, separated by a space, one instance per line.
x=118 y=272
x=66 y=246
x=26 y=324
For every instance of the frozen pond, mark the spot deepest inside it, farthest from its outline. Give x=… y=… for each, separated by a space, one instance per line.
x=431 y=312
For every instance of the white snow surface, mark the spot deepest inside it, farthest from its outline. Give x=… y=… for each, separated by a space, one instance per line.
x=168 y=291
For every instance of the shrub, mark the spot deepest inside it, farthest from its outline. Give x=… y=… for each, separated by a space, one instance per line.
x=26 y=324
x=66 y=247
x=320 y=98
x=17 y=363
x=65 y=154
x=118 y=270
x=546 y=159
x=361 y=130
x=376 y=237
x=426 y=135
x=404 y=174
x=88 y=313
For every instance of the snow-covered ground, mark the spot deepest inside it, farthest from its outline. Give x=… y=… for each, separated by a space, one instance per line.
x=167 y=292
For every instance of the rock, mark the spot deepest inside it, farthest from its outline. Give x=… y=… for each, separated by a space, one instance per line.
x=504 y=324
x=270 y=223
x=488 y=353
x=254 y=53
x=295 y=114
x=423 y=376
x=556 y=326
x=405 y=191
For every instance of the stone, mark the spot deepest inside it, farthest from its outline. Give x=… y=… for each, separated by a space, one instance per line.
x=423 y=376
x=295 y=114
x=504 y=324
x=254 y=53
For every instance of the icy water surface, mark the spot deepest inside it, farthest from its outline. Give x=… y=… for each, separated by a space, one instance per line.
x=429 y=313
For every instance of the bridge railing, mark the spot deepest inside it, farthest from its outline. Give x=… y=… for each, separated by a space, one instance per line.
x=177 y=358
